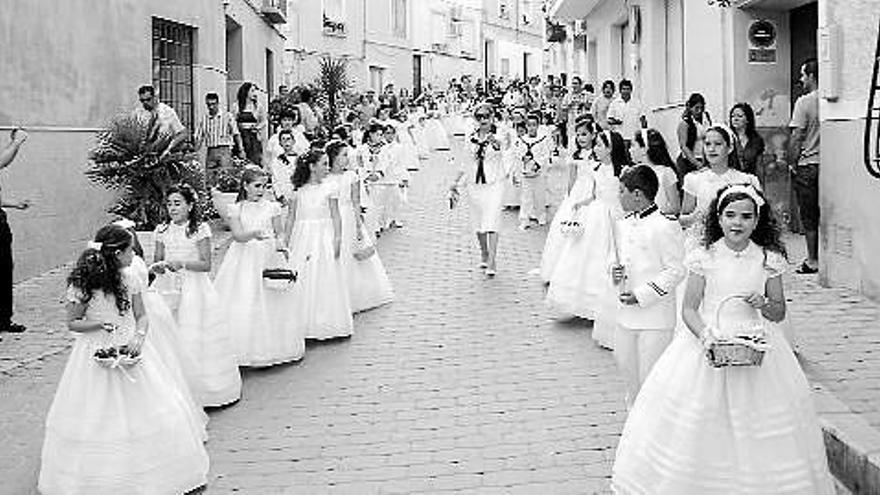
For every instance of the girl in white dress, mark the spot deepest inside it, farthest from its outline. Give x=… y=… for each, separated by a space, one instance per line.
x=163 y=334
x=581 y=189
x=390 y=190
x=262 y=334
x=484 y=178
x=435 y=133
x=370 y=171
x=649 y=148
x=121 y=429
x=323 y=307
x=697 y=429
x=580 y=283
x=368 y=283
x=183 y=264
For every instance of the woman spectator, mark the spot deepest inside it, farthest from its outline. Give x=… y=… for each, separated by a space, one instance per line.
x=691 y=130
x=748 y=144
x=251 y=122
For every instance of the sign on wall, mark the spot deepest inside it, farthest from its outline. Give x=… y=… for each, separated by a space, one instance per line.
x=762 y=42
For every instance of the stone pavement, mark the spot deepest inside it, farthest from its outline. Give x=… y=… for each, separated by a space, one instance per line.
x=462 y=384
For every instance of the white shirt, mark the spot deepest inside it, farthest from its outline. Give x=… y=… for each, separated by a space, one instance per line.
x=630 y=113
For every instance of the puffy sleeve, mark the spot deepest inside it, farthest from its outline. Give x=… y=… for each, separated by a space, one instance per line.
x=332 y=189
x=697 y=261
x=775 y=264
x=690 y=184
x=132 y=282
x=234 y=210
x=753 y=180
x=203 y=232
x=74 y=295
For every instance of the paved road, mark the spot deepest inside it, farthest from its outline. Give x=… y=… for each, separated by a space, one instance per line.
x=463 y=384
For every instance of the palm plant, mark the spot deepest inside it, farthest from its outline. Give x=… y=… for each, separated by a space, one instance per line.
x=333 y=82
x=126 y=159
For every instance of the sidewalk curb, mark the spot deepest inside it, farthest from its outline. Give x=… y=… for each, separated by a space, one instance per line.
x=852 y=445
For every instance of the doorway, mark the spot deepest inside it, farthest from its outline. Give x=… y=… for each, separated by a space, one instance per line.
x=804 y=22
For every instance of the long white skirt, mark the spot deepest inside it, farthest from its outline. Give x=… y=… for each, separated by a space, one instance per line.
x=368 y=283
x=485 y=201
x=695 y=429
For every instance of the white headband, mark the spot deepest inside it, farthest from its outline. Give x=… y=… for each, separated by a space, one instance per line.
x=124 y=223
x=747 y=189
x=94 y=245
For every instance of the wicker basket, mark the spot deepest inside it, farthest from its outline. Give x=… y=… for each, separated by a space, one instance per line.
x=277 y=276
x=746 y=348
x=571 y=228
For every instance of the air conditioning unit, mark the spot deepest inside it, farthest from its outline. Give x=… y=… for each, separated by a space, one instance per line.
x=454 y=30
x=456 y=13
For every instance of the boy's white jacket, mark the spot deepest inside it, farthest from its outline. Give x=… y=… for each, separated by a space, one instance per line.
x=541 y=146
x=652 y=252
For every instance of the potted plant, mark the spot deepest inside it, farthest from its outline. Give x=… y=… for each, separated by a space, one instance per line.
x=225 y=190
x=127 y=159
x=332 y=83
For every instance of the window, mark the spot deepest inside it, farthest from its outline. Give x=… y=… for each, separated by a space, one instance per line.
x=377 y=76
x=505 y=67
x=173 y=67
x=674 y=51
x=270 y=73
x=398 y=18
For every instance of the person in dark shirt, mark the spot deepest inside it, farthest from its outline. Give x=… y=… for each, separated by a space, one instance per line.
x=7 y=155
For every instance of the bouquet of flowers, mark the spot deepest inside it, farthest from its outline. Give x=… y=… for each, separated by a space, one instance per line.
x=571 y=228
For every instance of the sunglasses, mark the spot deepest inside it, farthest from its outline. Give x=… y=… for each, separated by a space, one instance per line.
x=482 y=116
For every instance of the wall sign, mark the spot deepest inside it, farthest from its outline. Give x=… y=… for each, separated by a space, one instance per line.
x=762 y=42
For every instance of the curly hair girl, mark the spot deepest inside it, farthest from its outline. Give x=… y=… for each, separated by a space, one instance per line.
x=99 y=267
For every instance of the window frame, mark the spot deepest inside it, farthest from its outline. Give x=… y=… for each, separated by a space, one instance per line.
x=174 y=42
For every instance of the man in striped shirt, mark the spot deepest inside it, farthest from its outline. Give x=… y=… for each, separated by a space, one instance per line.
x=217 y=132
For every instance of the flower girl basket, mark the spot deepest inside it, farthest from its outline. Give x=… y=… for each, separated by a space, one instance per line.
x=364 y=247
x=746 y=348
x=276 y=275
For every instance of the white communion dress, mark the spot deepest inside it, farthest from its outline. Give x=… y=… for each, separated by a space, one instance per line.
x=261 y=331
x=322 y=304
x=695 y=429
x=582 y=189
x=111 y=431
x=580 y=283
x=367 y=280
x=204 y=332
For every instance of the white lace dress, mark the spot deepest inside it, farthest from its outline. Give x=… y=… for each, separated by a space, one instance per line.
x=695 y=429
x=582 y=189
x=111 y=432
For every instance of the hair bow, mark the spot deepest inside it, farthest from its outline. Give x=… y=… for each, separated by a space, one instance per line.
x=94 y=245
x=747 y=189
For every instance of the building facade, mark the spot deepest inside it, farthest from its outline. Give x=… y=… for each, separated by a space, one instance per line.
x=414 y=43
x=63 y=88
x=752 y=52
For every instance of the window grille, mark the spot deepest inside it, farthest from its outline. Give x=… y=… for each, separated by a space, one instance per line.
x=173 y=67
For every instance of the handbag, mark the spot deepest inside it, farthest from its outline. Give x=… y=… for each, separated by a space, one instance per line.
x=745 y=348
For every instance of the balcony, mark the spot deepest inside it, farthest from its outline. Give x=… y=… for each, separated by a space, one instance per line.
x=440 y=47
x=570 y=10
x=274 y=11
x=333 y=28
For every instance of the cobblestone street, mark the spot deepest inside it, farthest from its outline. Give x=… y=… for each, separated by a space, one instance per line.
x=462 y=384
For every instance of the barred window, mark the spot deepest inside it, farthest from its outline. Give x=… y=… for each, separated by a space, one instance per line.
x=173 y=67
x=398 y=12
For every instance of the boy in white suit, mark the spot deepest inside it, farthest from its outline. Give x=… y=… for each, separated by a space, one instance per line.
x=651 y=249
x=534 y=150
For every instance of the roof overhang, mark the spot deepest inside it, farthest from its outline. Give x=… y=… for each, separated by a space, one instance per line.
x=771 y=5
x=571 y=10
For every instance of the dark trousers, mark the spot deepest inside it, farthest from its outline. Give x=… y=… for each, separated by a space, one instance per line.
x=5 y=270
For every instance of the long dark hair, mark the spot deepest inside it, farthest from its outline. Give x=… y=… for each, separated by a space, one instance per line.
x=619 y=155
x=767 y=233
x=189 y=195
x=751 y=131
x=592 y=128
x=250 y=174
x=303 y=172
x=657 y=151
x=242 y=95
x=99 y=269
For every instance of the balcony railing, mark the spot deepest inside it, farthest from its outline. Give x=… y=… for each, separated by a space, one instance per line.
x=275 y=11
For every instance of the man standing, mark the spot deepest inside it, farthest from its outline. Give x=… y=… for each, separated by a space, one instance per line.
x=306 y=113
x=625 y=114
x=217 y=132
x=805 y=151
x=17 y=138
x=166 y=118
x=601 y=104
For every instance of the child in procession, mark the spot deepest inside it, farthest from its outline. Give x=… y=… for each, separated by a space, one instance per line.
x=323 y=307
x=650 y=268
x=182 y=262
x=697 y=428
x=261 y=331
x=533 y=150
x=282 y=166
x=111 y=429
